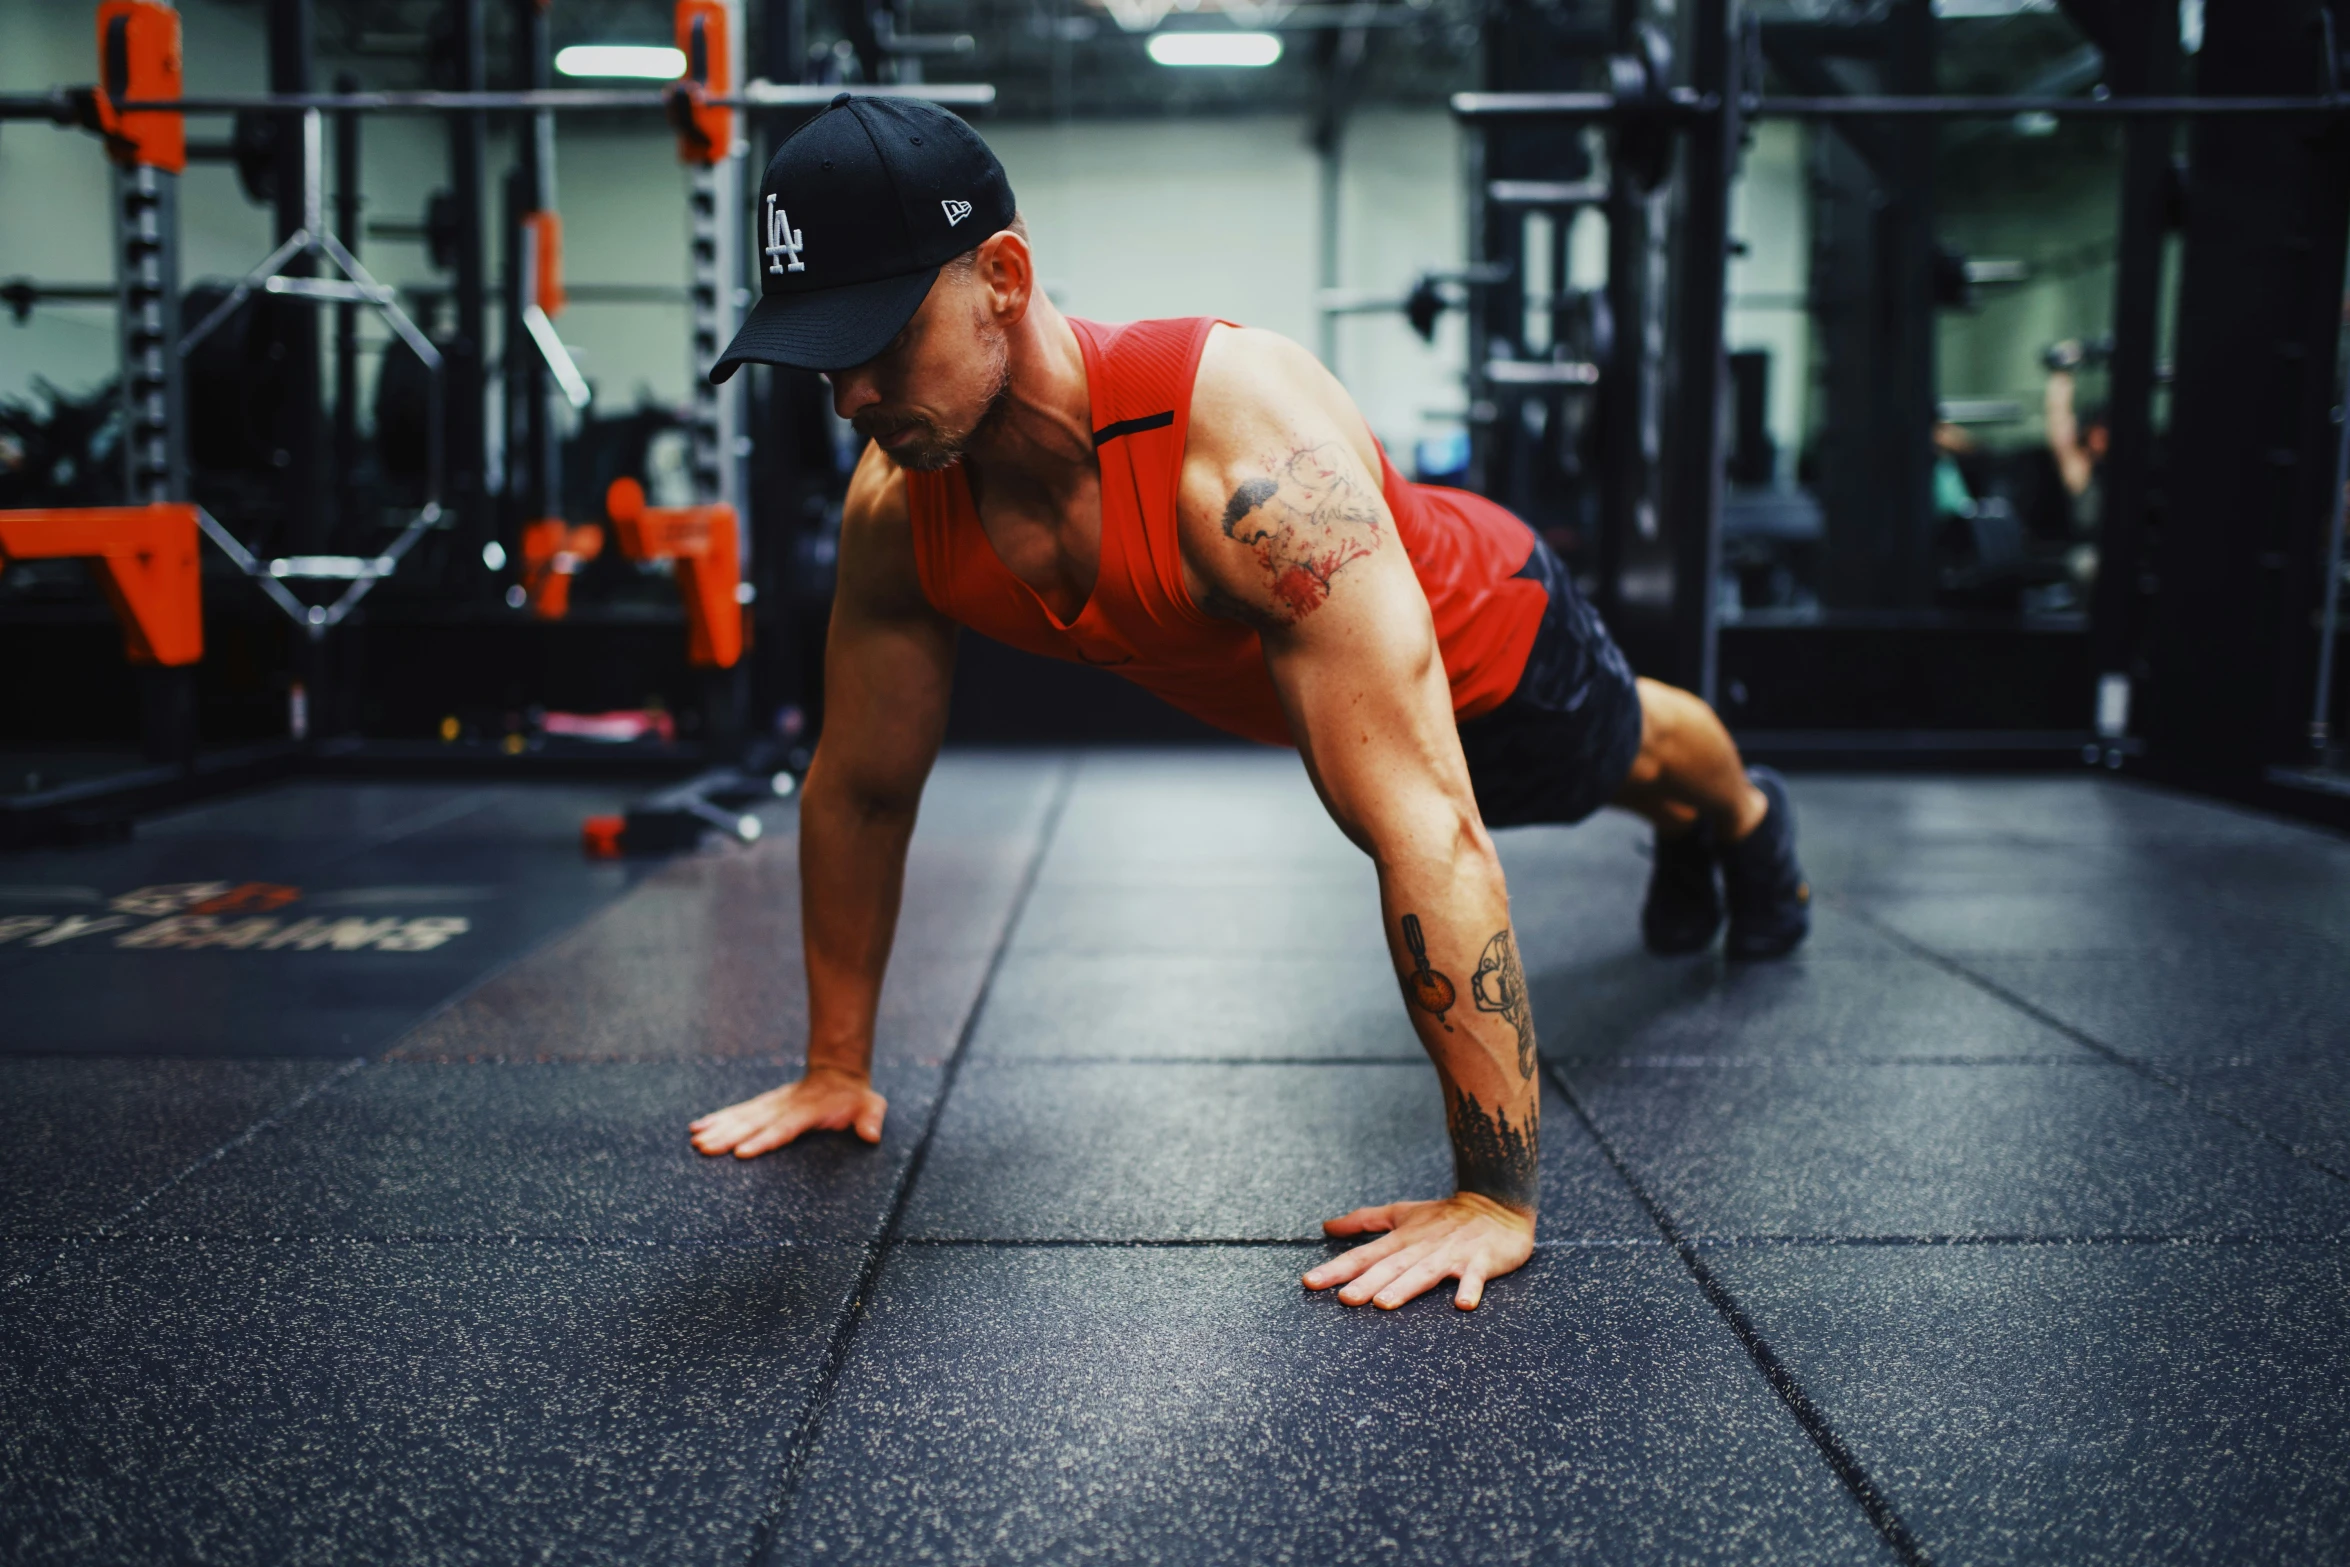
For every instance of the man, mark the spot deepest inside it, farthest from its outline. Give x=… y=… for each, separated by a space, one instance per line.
x=2078 y=441
x=1200 y=508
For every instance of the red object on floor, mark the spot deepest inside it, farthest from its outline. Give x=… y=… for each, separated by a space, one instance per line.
x=616 y=728
x=600 y=836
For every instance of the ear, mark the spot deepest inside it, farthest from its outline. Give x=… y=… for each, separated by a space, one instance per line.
x=1006 y=269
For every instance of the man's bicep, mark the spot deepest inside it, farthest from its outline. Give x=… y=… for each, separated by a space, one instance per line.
x=888 y=657
x=1273 y=525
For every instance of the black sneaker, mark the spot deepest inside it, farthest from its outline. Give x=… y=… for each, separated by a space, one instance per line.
x=1684 y=907
x=1770 y=902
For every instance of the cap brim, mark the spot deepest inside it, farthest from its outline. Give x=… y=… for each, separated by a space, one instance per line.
x=827 y=329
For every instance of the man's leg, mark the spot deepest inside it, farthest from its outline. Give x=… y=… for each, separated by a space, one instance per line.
x=1688 y=767
x=1709 y=809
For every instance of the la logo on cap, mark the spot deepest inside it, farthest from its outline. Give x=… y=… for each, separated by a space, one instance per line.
x=782 y=240
x=956 y=211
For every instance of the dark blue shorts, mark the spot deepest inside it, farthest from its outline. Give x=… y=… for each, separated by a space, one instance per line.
x=1560 y=747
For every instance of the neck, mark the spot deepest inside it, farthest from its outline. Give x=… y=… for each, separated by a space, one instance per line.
x=1042 y=432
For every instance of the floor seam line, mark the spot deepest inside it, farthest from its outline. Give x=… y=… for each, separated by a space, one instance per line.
x=1809 y=1417
x=104 y=1231
x=844 y=1332
x=2090 y=1042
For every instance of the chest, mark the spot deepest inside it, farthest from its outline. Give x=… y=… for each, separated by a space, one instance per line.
x=1050 y=540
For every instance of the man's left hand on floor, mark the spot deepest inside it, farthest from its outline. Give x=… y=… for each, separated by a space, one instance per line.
x=1465 y=1237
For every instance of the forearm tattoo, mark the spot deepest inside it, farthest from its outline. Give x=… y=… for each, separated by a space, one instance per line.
x=1425 y=987
x=1493 y=1158
x=1306 y=520
x=1499 y=986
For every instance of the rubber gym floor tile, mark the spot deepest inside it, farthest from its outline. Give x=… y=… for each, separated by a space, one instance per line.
x=1194 y=1405
x=81 y=1141
x=1134 y=1151
x=399 y=917
x=2188 y=1009
x=1298 y=918
x=1639 y=1010
x=703 y=958
x=1228 y=1007
x=568 y=1152
x=1568 y=929
x=2160 y=923
x=1989 y=865
x=1214 y=814
x=2052 y=810
x=974 y=795
x=1931 y=1150
x=2080 y=1404
x=238 y=1403
x=2303 y=1102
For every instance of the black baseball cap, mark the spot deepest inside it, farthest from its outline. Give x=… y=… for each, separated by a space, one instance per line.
x=856 y=213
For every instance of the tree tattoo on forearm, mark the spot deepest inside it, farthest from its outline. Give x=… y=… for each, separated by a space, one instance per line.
x=1426 y=988
x=1306 y=520
x=1493 y=1158
x=1499 y=986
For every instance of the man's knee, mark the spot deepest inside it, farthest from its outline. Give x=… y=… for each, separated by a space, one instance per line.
x=1664 y=723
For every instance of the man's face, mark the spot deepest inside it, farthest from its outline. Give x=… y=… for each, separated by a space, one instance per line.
x=937 y=383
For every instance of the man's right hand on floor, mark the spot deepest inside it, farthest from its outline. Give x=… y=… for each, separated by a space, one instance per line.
x=828 y=1099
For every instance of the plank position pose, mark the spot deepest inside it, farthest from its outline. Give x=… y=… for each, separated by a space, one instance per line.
x=1200 y=508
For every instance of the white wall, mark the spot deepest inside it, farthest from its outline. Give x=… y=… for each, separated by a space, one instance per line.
x=1217 y=217
x=1769 y=212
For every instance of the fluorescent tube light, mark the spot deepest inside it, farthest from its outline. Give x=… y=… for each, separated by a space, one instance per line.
x=1215 y=48
x=655 y=62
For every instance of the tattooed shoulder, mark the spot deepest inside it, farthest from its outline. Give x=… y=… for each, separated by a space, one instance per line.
x=1306 y=518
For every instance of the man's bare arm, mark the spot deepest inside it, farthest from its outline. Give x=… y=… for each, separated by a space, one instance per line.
x=1285 y=527
x=888 y=666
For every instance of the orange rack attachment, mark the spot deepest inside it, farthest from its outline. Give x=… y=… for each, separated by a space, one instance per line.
x=146 y=559
x=702 y=541
x=552 y=551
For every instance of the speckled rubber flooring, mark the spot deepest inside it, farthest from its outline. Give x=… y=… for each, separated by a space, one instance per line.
x=2005 y=1223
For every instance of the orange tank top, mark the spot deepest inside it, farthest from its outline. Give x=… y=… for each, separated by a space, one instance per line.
x=1140 y=622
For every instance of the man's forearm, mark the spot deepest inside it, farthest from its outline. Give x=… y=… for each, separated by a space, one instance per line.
x=1465 y=989
x=852 y=874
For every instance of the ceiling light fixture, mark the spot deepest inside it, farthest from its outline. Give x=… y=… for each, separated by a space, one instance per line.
x=1246 y=49
x=654 y=62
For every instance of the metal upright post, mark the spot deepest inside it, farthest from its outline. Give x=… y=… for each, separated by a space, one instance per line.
x=1693 y=479
x=1907 y=282
x=147 y=274
x=2143 y=58
x=711 y=35
x=787 y=42
x=467 y=443
x=714 y=217
x=347 y=224
x=307 y=497
x=1629 y=433
x=139 y=57
x=534 y=441
x=1475 y=315
x=2253 y=452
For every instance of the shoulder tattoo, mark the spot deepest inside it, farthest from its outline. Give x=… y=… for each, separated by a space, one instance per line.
x=1306 y=519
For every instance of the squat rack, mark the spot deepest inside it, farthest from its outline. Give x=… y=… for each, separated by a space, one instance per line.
x=1706 y=113
x=146 y=553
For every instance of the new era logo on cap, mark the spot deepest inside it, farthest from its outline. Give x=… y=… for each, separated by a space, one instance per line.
x=843 y=231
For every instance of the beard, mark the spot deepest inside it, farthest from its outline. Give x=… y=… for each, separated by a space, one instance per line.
x=935 y=446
